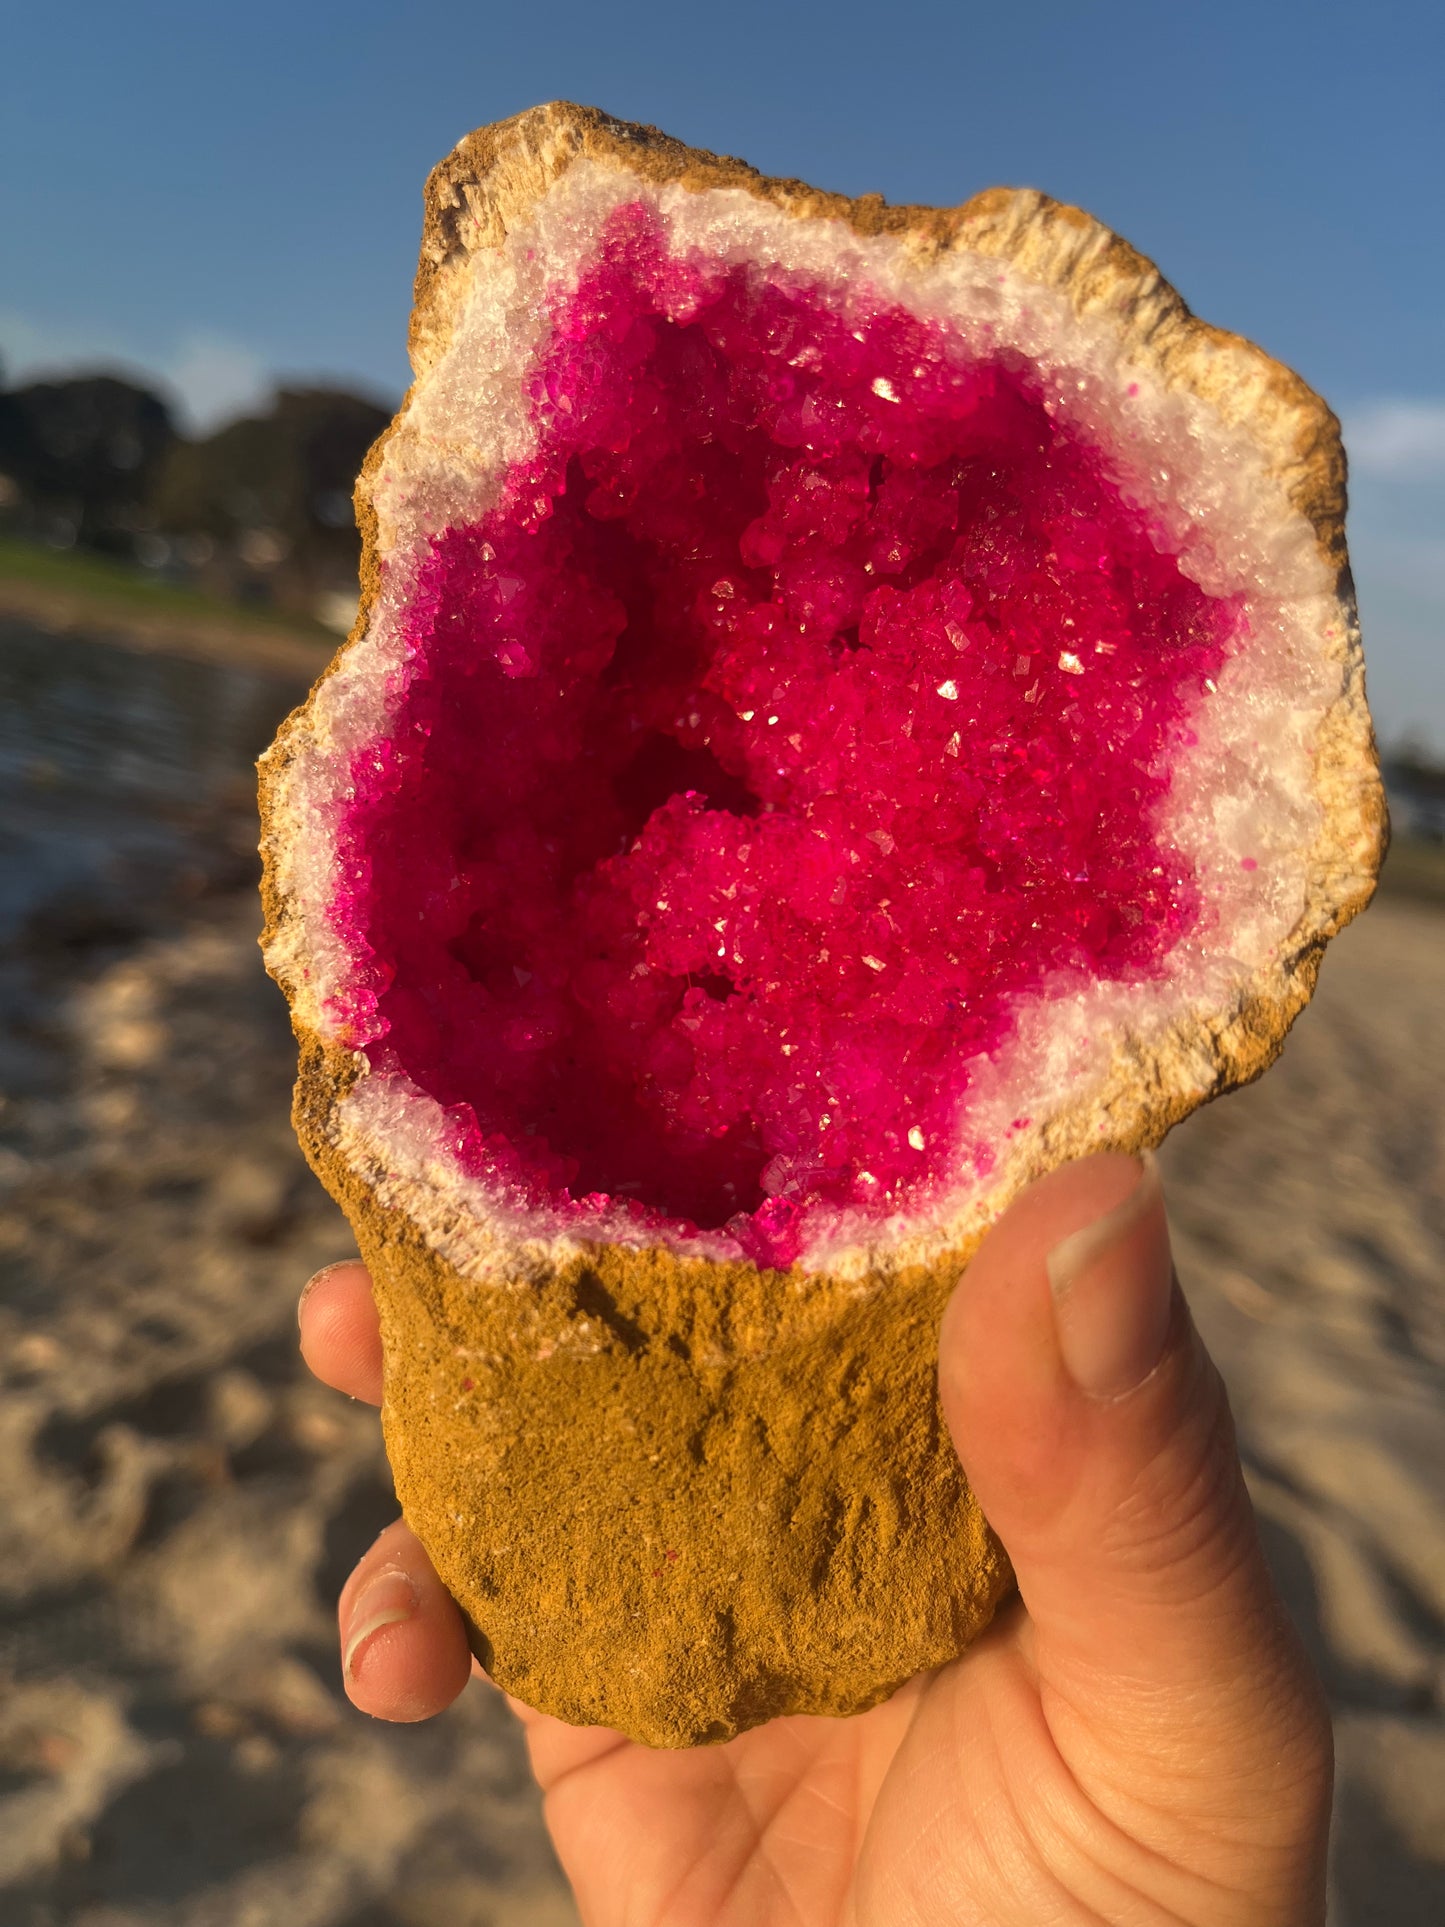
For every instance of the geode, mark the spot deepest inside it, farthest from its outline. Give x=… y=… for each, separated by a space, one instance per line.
x=851 y=707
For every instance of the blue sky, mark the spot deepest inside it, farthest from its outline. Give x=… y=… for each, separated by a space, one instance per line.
x=221 y=194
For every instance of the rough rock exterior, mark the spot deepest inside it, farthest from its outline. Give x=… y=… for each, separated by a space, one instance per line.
x=677 y=1496
x=677 y=1499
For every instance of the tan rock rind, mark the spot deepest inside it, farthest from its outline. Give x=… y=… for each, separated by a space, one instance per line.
x=674 y=1498
x=680 y=1497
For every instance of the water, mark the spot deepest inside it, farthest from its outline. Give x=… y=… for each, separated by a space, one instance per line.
x=126 y=781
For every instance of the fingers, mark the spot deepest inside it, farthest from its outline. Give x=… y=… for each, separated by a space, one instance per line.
x=404 y=1651
x=1095 y=1431
x=340 y=1333
x=403 y=1642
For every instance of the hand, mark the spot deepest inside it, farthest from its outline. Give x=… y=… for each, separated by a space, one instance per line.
x=1137 y=1739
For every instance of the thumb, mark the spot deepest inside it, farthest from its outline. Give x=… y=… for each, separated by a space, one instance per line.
x=1096 y=1433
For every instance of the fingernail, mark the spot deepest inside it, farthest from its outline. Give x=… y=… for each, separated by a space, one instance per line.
x=1113 y=1283
x=314 y=1280
x=387 y=1598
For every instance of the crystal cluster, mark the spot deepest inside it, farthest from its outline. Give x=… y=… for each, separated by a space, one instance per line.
x=802 y=709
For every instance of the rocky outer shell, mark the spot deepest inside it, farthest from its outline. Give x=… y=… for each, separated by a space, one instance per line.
x=674 y=1498
x=680 y=1497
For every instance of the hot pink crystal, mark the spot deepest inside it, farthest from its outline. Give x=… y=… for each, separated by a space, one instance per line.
x=805 y=704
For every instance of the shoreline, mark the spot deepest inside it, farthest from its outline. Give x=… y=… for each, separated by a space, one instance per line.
x=213 y=637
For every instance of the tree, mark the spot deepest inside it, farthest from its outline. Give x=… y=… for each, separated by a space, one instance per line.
x=273 y=491
x=83 y=454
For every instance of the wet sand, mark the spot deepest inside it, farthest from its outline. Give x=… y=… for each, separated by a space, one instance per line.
x=179 y=1503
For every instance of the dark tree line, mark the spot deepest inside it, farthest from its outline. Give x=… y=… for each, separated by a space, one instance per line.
x=259 y=509
x=82 y=456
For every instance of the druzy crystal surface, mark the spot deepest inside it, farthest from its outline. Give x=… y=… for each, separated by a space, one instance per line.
x=803 y=708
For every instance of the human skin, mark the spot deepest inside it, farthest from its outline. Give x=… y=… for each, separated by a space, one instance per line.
x=1138 y=1739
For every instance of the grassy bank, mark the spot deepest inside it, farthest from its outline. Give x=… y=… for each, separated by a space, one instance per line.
x=121 y=591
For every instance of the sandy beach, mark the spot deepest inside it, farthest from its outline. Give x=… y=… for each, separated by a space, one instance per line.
x=179 y=1503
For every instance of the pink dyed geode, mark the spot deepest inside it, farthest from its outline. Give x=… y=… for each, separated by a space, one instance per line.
x=852 y=706
x=805 y=702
